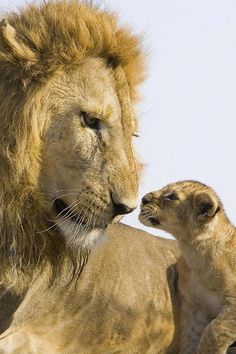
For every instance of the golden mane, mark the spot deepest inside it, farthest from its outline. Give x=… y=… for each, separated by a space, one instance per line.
x=46 y=38
x=35 y=44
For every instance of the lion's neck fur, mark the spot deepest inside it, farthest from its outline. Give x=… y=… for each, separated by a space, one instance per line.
x=28 y=242
x=23 y=249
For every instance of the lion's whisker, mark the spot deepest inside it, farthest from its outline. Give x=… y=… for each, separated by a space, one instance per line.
x=45 y=230
x=76 y=227
x=59 y=197
x=56 y=222
x=70 y=208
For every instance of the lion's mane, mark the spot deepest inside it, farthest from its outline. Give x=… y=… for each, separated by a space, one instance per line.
x=34 y=45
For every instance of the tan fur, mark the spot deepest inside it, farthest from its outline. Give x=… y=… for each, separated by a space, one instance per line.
x=58 y=61
x=125 y=301
x=193 y=213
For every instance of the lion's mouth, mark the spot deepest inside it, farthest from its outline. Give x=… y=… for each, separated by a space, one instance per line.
x=63 y=210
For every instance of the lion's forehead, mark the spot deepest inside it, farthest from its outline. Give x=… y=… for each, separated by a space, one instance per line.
x=96 y=89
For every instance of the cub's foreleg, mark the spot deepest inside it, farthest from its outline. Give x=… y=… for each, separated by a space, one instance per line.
x=220 y=333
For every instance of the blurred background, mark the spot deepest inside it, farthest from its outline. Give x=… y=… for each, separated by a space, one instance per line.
x=187 y=119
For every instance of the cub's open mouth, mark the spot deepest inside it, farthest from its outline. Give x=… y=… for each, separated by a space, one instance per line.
x=154 y=221
x=144 y=217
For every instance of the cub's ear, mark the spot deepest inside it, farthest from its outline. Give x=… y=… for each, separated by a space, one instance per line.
x=205 y=205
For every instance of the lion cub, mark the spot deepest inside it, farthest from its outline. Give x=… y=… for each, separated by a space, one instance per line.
x=194 y=215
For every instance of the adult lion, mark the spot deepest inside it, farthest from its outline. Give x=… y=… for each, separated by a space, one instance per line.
x=68 y=77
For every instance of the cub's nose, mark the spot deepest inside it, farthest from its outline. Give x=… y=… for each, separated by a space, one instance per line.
x=121 y=209
x=147 y=199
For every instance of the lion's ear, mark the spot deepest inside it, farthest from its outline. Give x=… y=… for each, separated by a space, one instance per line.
x=14 y=45
x=12 y=49
x=204 y=205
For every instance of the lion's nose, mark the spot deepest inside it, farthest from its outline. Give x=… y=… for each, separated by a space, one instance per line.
x=121 y=209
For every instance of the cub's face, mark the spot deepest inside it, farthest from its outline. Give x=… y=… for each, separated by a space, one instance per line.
x=89 y=171
x=183 y=209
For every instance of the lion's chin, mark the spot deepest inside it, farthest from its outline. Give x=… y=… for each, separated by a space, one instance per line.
x=79 y=237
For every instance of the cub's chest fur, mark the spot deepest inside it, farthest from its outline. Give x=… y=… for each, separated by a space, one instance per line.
x=205 y=297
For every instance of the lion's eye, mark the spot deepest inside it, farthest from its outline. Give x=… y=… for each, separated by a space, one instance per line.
x=170 y=196
x=90 y=121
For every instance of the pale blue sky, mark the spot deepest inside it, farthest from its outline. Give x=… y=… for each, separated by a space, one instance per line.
x=188 y=114
x=188 y=122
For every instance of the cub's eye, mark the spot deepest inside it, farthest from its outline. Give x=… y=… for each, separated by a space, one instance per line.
x=90 y=121
x=170 y=196
x=136 y=135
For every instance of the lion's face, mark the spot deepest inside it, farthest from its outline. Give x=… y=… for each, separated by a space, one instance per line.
x=88 y=172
